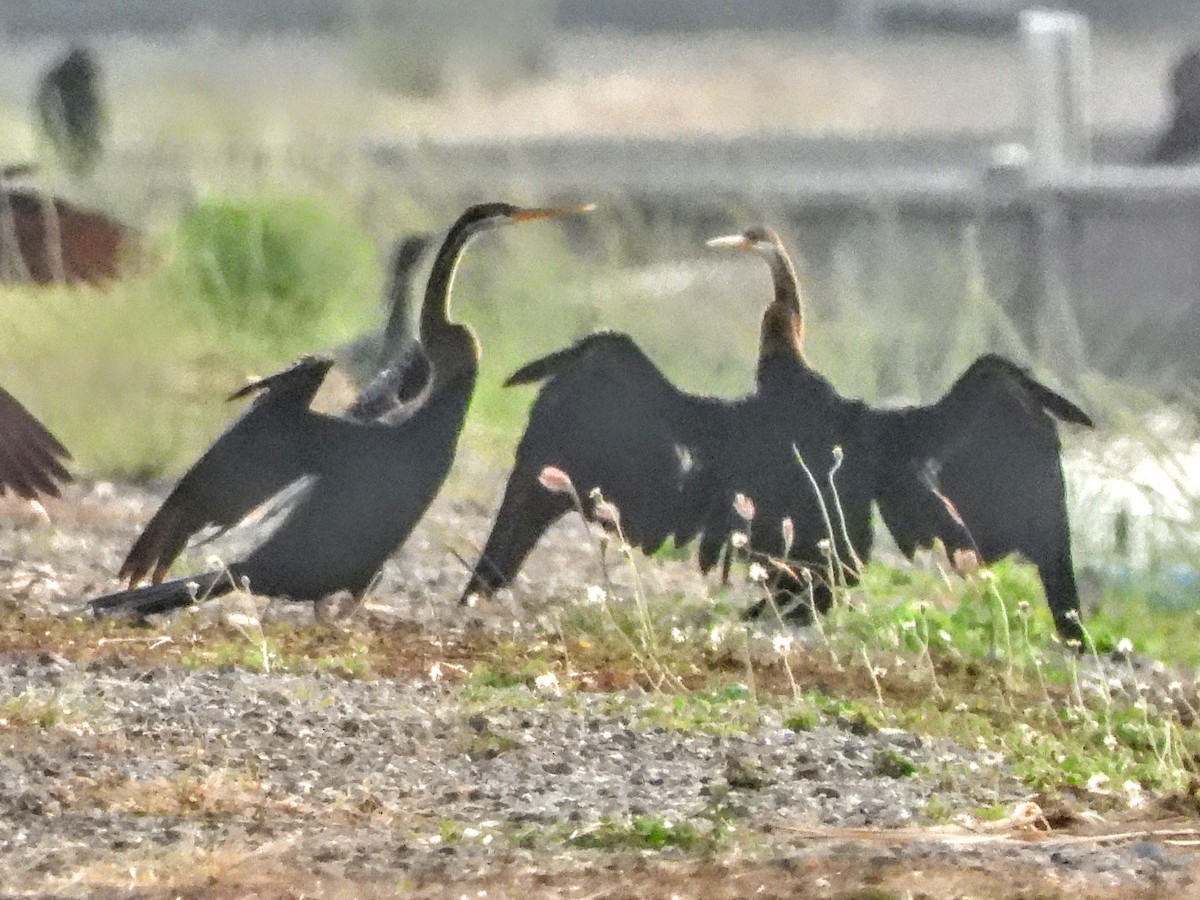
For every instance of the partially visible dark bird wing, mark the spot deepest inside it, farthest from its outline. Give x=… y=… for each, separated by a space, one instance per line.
x=608 y=418
x=399 y=384
x=611 y=420
x=30 y=456
x=989 y=447
x=277 y=441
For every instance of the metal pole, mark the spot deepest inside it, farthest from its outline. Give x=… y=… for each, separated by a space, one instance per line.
x=1057 y=53
x=1057 y=50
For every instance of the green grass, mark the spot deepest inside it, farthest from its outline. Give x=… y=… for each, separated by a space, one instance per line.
x=31 y=709
x=650 y=833
x=279 y=648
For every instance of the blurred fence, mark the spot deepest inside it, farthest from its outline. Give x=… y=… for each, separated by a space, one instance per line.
x=1094 y=259
x=92 y=17
x=927 y=217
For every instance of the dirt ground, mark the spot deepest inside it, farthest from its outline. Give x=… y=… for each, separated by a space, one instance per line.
x=160 y=779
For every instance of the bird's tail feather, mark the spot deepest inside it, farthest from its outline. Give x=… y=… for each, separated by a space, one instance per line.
x=160 y=598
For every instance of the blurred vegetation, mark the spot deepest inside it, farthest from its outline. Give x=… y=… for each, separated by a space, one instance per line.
x=274 y=267
x=418 y=47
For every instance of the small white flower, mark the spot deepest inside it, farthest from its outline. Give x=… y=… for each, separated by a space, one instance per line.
x=945 y=636
x=1125 y=645
x=1097 y=782
x=435 y=672
x=1133 y=794
x=1175 y=687
x=596 y=595
x=547 y=683
x=782 y=644
x=744 y=507
x=757 y=572
x=739 y=540
x=1110 y=741
x=678 y=636
x=909 y=625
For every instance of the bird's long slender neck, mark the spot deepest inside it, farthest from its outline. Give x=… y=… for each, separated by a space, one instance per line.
x=398 y=330
x=782 y=335
x=435 y=310
x=451 y=348
x=787 y=287
x=779 y=342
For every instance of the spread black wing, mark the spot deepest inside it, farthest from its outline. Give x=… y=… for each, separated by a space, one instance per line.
x=276 y=442
x=608 y=418
x=31 y=458
x=990 y=447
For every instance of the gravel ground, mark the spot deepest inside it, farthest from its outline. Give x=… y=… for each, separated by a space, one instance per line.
x=160 y=780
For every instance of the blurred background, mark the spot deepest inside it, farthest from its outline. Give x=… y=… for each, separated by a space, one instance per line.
x=954 y=177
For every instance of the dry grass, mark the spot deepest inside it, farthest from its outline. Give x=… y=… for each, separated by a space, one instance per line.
x=273 y=871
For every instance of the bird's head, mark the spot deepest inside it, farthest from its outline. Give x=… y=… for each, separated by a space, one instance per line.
x=760 y=239
x=482 y=216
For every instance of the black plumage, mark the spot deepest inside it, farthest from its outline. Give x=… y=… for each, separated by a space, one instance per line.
x=70 y=110
x=382 y=356
x=371 y=481
x=979 y=469
x=1180 y=141
x=31 y=458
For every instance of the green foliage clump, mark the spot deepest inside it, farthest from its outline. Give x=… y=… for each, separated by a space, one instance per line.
x=642 y=833
x=893 y=764
x=274 y=266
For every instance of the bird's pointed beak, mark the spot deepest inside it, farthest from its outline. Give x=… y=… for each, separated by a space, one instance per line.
x=734 y=241
x=528 y=215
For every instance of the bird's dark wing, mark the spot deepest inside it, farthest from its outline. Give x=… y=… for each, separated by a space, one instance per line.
x=395 y=387
x=608 y=418
x=30 y=456
x=611 y=420
x=989 y=447
x=277 y=441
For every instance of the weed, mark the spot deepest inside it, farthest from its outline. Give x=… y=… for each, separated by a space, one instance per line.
x=641 y=833
x=33 y=710
x=802 y=718
x=891 y=763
